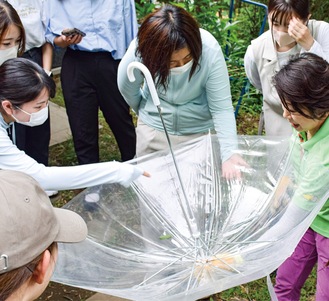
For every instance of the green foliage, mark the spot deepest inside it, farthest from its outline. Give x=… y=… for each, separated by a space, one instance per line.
x=212 y=16
x=320 y=9
x=143 y=8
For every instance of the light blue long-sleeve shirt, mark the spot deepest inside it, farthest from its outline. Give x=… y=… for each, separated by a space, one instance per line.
x=188 y=107
x=110 y=25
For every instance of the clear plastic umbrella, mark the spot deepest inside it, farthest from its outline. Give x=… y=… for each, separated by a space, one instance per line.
x=186 y=232
x=140 y=244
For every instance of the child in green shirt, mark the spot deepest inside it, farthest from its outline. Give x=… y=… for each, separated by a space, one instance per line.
x=303 y=88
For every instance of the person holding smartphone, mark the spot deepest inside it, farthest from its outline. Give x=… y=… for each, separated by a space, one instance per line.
x=89 y=70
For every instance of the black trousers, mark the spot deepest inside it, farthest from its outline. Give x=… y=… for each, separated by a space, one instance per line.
x=89 y=82
x=34 y=140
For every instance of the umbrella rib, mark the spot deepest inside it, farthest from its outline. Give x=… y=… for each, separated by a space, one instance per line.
x=165 y=267
x=161 y=218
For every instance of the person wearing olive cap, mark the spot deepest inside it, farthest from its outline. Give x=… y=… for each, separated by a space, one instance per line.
x=30 y=229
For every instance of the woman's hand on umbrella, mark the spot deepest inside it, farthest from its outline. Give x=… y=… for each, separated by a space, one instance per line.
x=231 y=168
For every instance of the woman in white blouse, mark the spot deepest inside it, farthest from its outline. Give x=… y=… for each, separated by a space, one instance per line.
x=291 y=32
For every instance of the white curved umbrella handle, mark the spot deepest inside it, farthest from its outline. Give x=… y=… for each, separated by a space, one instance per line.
x=186 y=209
x=148 y=77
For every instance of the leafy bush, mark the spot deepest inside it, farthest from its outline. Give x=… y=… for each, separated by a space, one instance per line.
x=320 y=9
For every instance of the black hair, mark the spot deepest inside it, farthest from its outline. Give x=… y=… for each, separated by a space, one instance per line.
x=303 y=85
x=168 y=29
x=22 y=81
x=284 y=9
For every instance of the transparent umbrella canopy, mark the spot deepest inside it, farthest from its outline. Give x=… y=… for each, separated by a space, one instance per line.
x=171 y=238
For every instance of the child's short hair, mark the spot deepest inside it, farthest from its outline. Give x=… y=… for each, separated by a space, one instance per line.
x=303 y=85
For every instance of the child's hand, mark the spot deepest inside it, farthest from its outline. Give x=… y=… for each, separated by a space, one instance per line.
x=280 y=198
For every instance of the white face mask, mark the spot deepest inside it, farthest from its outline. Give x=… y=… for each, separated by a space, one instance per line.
x=282 y=38
x=6 y=54
x=36 y=118
x=181 y=69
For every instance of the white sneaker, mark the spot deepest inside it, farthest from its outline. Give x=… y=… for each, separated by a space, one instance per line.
x=91 y=201
x=92 y=197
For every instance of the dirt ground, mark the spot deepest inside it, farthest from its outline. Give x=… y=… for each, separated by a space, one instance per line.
x=60 y=292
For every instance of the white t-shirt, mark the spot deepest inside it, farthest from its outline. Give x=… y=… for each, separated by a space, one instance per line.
x=33 y=17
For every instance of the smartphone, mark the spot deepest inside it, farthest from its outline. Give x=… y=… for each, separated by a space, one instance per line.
x=73 y=31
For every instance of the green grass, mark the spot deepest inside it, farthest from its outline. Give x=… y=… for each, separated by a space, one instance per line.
x=257 y=291
x=64 y=155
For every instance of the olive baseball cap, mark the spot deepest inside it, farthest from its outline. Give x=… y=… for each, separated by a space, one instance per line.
x=29 y=223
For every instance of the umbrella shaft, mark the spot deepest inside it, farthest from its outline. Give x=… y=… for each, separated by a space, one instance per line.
x=190 y=218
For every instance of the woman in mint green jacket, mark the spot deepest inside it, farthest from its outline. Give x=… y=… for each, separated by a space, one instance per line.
x=192 y=82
